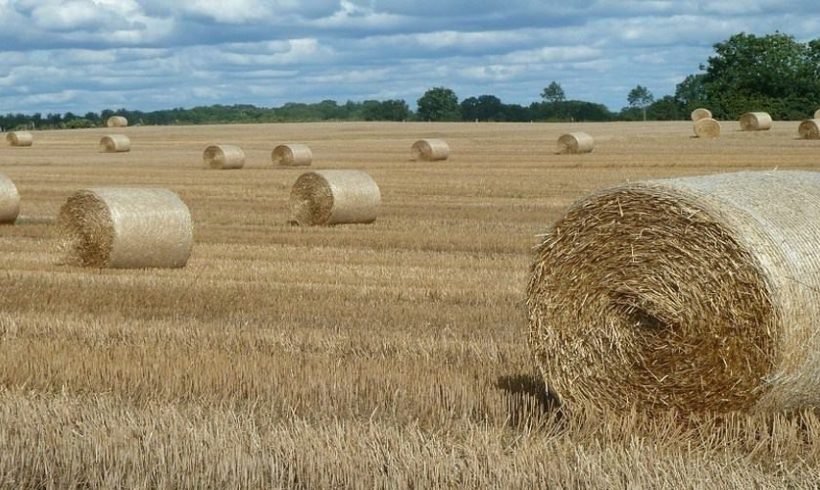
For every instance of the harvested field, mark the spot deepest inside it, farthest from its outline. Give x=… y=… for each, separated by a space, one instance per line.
x=381 y=355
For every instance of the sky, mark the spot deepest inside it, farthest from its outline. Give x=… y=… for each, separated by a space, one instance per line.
x=89 y=55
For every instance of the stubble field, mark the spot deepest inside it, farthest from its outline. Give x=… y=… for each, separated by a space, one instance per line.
x=386 y=355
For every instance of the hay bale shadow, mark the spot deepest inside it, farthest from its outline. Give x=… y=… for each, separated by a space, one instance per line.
x=530 y=404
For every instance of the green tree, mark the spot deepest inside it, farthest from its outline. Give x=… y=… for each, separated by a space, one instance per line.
x=439 y=104
x=640 y=97
x=482 y=108
x=553 y=93
x=691 y=92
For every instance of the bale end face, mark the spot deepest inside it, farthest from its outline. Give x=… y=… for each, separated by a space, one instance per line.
x=575 y=143
x=430 y=150
x=810 y=129
x=223 y=157
x=707 y=128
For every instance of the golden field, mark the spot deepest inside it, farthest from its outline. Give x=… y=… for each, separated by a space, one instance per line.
x=390 y=355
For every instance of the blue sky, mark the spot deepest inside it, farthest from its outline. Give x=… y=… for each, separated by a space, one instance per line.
x=87 y=55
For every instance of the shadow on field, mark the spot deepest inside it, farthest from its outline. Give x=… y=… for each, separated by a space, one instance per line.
x=530 y=403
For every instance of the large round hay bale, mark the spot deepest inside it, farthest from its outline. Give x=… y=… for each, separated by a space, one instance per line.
x=707 y=128
x=699 y=294
x=292 y=155
x=223 y=157
x=9 y=201
x=20 y=138
x=116 y=122
x=700 y=113
x=577 y=142
x=810 y=129
x=115 y=143
x=430 y=150
x=329 y=197
x=755 y=121
x=123 y=227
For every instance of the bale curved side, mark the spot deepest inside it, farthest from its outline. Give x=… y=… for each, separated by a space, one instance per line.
x=707 y=128
x=115 y=143
x=20 y=138
x=755 y=121
x=223 y=157
x=9 y=201
x=810 y=129
x=292 y=155
x=817 y=114
x=683 y=294
x=116 y=122
x=329 y=197
x=121 y=227
x=430 y=150
x=573 y=143
x=700 y=113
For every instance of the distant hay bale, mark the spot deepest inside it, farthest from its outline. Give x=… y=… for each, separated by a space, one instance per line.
x=20 y=138
x=117 y=122
x=810 y=129
x=223 y=157
x=9 y=201
x=577 y=142
x=292 y=155
x=115 y=143
x=330 y=197
x=817 y=114
x=700 y=294
x=707 y=128
x=755 y=121
x=430 y=150
x=125 y=228
x=700 y=113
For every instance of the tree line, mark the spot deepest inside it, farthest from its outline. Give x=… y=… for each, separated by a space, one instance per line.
x=772 y=73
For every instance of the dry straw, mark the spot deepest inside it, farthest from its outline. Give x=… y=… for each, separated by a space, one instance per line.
x=115 y=143
x=292 y=155
x=701 y=294
x=20 y=138
x=223 y=157
x=116 y=122
x=430 y=150
x=329 y=197
x=700 y=113
x=577 y=142
x=707 y=128
x=810 y=129
x=124 y=228
x=9 y=201
x=755 y=121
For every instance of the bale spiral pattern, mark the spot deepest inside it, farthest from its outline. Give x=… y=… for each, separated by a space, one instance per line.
x=810 y=129
x=330 y=197
x=707 y=128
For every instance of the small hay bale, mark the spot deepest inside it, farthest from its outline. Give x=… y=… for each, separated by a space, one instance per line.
x=330 y=197
x=20 y=138
x=700 y=294
x=810 y=129
x=430 y=150
x=578 y=142
x=700 y=113
x=707 y=128
x=9 y=201
x=116 y=122
x=755 y=121
x=223 y=157
x=292 y=155
x=125 y=228
x=115 y=143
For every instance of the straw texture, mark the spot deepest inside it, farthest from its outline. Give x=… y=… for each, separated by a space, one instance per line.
x=223 y=157
x=292 y=155
x=9 y=201
x=430 y=150
x=329 y=197
x=116 y=122
x=577 y=142
x=121 y=227
x=115 y=143
x=810 y=129
x=755 y=121
x=700 y=113
x=701 y=294
x=707 y=128
x=20 y=138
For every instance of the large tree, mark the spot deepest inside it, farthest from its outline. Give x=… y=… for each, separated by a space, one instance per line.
x=640 y=97
x=439 y=104
x=553 y=93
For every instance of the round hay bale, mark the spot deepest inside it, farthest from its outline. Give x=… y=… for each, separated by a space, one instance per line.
x=115 y=143
x=700 y=113
x=116 y=122
x=707 y=128
x=292 y=155
x=223 y=157
x=125 y=228
x=20 y=138
x=578 y=142
x=330 y=197
x=810 y=129
x=817 y=114
x=430 y=150
x=698 y=294
x=9 y=201
x=755 y=121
